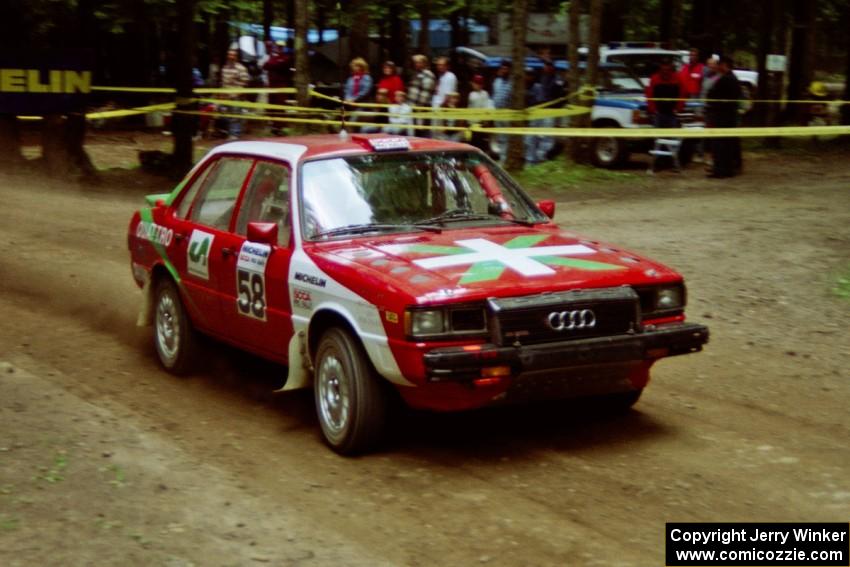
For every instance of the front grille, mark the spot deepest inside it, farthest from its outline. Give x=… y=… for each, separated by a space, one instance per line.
x=526 y=320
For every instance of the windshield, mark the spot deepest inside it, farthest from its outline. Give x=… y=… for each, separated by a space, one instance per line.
x=644 y=64
x=410 y=191
x=619 y=80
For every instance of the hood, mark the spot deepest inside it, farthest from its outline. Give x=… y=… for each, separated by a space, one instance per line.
x=473 y=264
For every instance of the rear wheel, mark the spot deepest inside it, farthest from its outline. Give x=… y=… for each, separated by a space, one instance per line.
x=174 y=338
x=609 y=152
x=351 y=399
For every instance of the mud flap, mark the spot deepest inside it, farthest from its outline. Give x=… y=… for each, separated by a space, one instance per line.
x=300 y=371
x=145 y=318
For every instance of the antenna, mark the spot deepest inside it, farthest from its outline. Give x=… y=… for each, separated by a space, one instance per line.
x=342 y=132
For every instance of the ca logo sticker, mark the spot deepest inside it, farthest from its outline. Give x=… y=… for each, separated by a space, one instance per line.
x=198 y=253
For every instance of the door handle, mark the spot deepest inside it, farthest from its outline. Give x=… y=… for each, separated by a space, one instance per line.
x=179 y=236
x=226 y=252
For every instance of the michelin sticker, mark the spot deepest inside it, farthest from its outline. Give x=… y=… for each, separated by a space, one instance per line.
x=251 y=280
x=198 y=254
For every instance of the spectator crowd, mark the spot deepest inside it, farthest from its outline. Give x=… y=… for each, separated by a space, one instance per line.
x=393 y=99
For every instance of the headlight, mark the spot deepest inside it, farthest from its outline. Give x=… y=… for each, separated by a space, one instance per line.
x=661 y=301
x=669 y=298
x=446 y=322
x=425 y=323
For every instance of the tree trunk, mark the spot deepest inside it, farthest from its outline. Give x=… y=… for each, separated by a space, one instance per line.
x=358 y=38
x=613 y=23
x=424 y=43
x=677 y=25
x=666 y=21
x=63 y=137
x=845 y=109
x=770 y=83
x=574 y=81
x=398 y=35
x=10 y=142
x=593 y=42
x=268 y=19
x=519 y=21
x=580 y=147
x=321 y=20
x=302 y=61
x=183 y=125
x=63 y=153
x=800 y=70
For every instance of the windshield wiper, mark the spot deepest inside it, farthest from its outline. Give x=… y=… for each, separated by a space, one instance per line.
x=465 y=214
x=457 y=213
x=373 y=227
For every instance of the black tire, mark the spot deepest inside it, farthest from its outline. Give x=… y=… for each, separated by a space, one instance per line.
x=174 y=338
x=351 y=399
x=619 y=402
x=609 y=152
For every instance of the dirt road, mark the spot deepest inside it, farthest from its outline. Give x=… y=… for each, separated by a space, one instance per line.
x=105 y=459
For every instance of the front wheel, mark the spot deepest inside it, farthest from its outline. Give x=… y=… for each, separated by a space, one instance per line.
x=174 y=338
x=618 y=402
x=351 y=400
x=609 y=152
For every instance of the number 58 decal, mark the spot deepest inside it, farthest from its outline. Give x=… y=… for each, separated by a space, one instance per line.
x=251 y=280
x=251 y=287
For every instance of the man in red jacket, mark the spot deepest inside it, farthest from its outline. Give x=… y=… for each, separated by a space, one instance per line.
x=691 y=74
x=665 y=84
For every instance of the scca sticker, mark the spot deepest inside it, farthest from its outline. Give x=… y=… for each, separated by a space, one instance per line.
x=302 y=298
x=251 y=280
x=198 y=254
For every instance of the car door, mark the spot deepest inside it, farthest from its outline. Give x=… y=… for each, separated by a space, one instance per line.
x=255 y=303
x=202 y=224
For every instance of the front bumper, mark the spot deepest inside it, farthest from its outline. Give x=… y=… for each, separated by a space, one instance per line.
x=465 y=364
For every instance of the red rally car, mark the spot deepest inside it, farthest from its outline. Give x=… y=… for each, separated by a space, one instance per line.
x=365 y=263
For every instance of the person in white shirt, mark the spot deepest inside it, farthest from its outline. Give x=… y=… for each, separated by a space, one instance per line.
x=446 y=83
x=400 y=116
x=479 y=98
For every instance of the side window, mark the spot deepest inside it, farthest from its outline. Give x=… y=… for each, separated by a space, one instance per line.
x=266 y=200
x=190 y=193
x=217 y=199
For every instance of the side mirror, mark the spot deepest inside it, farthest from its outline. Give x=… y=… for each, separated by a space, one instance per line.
x=548 y=207
x=263 y=233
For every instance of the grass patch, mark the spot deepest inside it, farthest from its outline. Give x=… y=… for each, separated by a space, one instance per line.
x=54 y=474
x=561 y=175
x=842 y=286
x=8 y=523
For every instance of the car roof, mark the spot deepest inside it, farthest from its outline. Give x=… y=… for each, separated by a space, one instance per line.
x=295 y=148
x=642 y=51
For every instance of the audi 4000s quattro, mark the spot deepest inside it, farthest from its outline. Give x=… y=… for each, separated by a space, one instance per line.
x=372 y=263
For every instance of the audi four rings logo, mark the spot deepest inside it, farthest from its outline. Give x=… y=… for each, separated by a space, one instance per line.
x=572 y=320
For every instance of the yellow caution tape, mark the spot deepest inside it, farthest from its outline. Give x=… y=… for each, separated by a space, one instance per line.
x=348 y=124
x=201 y=90
x=753 y=132
x=479 y=114
x=269 y=106
x=131 y=111
x=245 y=90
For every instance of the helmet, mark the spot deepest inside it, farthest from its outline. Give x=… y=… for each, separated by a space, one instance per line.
x=817 y=88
